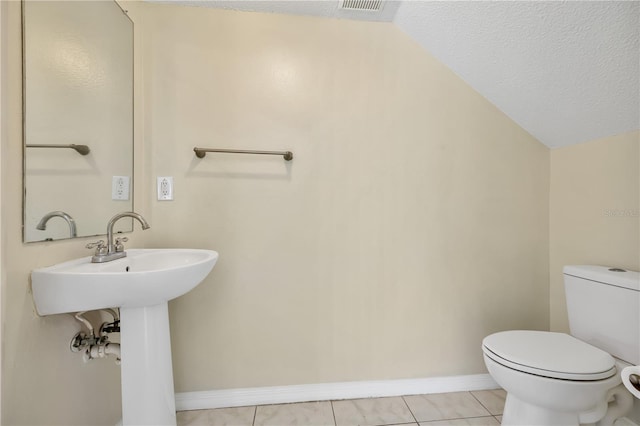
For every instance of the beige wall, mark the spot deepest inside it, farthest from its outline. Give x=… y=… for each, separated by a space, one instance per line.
x=43 y=383
x=594 y=210
x=412 y=222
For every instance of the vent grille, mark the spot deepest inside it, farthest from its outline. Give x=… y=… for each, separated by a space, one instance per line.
x=362 y=5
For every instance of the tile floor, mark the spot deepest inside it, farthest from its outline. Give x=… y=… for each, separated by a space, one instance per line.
x=477 y=408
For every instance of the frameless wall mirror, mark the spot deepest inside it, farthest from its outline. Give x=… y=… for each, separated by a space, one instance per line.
x=78 y=117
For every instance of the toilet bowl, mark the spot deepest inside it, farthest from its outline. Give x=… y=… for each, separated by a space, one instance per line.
x=555 y=379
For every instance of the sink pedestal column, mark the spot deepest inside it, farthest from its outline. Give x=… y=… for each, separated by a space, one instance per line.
x=147 y=377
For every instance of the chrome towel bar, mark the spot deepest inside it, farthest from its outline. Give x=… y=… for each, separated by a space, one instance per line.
x=201 y=152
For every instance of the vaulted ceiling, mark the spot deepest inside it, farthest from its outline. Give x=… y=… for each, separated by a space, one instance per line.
x=567 y=72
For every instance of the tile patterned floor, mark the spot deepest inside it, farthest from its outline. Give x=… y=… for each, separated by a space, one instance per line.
x=477 y=408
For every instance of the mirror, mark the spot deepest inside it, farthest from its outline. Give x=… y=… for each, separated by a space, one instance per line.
x=78 y=118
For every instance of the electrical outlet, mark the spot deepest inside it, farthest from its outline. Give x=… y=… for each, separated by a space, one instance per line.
x=120 y=188
x=165 y=188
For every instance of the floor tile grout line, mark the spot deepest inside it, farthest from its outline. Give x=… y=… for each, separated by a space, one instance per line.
x=480 y=402
x=400 y=423
x=255 y=412
x=333 y=411
x=457 y=418
x=409 y=408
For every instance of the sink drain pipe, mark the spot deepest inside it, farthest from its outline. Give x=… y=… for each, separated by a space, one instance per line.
x=102 y=350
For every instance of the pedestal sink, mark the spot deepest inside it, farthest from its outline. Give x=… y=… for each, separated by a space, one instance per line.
x=140 y=285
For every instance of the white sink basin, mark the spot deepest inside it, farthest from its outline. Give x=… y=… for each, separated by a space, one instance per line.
x=146 y=277
x=140 y=285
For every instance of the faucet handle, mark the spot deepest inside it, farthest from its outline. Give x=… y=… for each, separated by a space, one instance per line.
x=118 y=244
x=100 y=246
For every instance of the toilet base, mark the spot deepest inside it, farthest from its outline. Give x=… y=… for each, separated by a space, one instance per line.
x=520 y=413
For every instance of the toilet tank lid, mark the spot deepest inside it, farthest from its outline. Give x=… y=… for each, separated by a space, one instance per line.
x=605 y=274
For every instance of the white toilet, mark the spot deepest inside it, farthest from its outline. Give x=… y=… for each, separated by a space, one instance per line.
x=559 y=379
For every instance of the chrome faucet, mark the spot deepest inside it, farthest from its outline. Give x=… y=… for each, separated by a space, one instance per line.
x=114 y=250
x=42 y=225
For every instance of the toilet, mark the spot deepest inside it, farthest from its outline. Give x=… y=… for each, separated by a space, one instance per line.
x=560 y=379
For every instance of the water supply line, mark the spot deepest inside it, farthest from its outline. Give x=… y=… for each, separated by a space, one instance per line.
x=79 y=316
x=112 y=312
x=110 y=327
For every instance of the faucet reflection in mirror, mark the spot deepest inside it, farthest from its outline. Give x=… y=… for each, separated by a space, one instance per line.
x=42 y=225
x=112 y=251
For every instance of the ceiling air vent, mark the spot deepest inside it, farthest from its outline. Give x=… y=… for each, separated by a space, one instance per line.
x=362 y=5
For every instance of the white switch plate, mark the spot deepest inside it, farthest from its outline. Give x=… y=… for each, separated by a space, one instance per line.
x=120 y=188
x=165 y=188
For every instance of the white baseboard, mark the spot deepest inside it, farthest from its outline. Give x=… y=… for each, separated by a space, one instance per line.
x=330 y=391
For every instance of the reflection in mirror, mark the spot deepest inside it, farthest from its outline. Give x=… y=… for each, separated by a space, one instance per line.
x=78 y=96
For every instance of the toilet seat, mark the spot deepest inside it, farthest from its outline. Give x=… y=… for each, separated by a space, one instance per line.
x=548 y=354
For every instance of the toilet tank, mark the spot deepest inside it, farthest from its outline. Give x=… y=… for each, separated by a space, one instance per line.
x=603 y=304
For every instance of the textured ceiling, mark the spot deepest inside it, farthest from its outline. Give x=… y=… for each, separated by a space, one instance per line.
x=567 y=72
